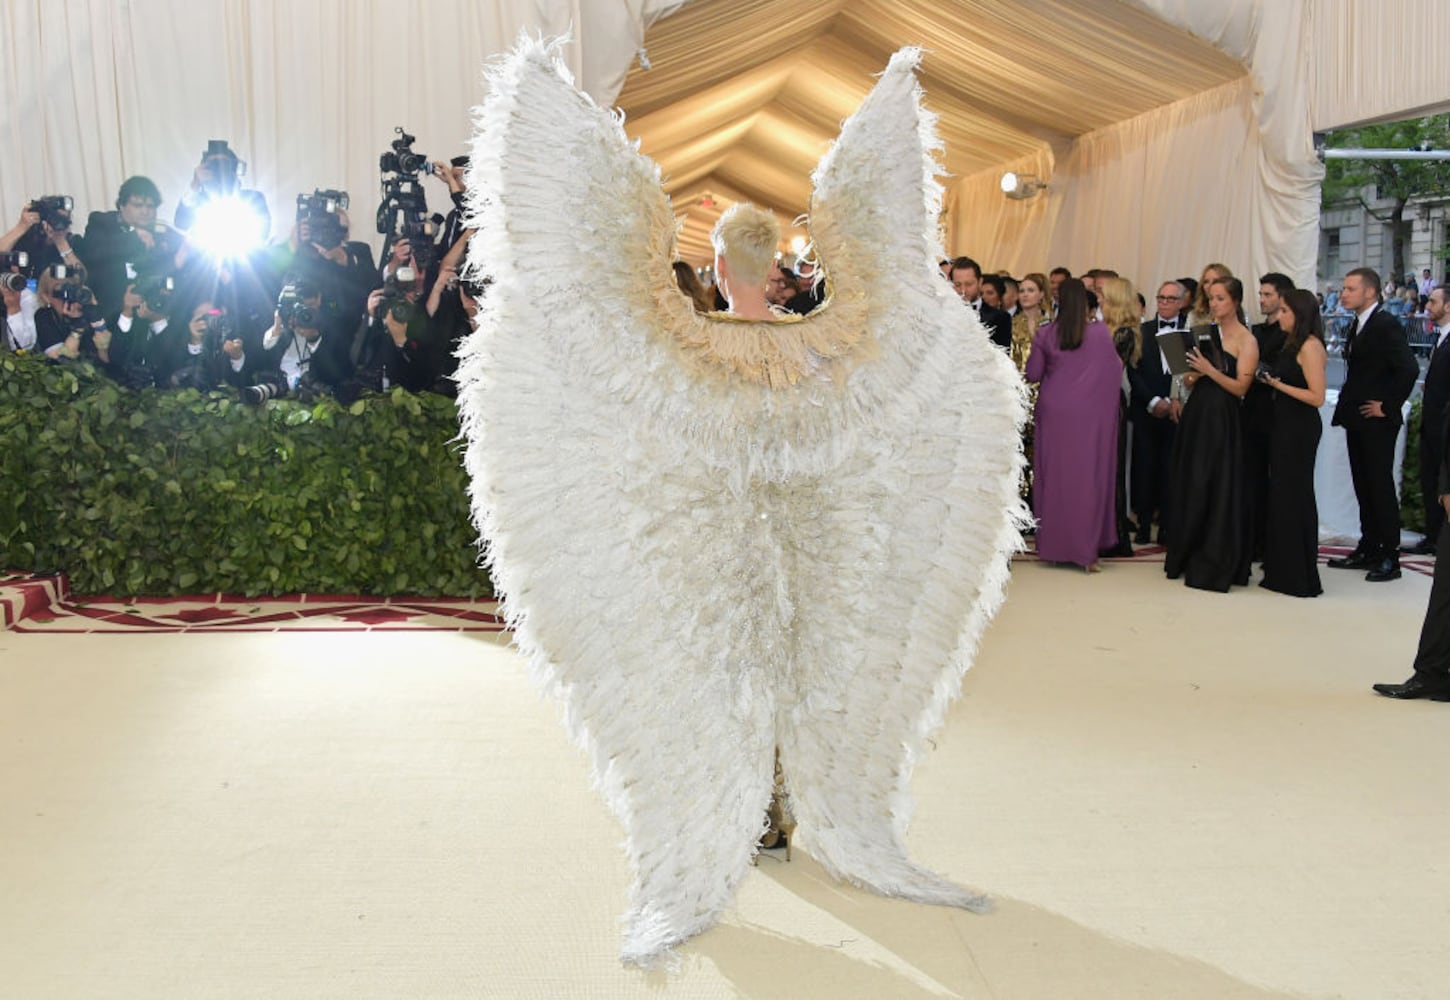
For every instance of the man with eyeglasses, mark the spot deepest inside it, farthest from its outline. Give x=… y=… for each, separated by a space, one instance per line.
x=121 y=247
x=1153 y=411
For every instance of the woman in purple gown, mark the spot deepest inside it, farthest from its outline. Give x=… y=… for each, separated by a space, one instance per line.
x=1076 y=433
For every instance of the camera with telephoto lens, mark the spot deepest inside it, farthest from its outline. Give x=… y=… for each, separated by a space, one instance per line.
x=54 y=210
x=401 y=159
x=292 y=311
x=13 y=282
x=15 y=261
x=319 y=210
x=156 y=290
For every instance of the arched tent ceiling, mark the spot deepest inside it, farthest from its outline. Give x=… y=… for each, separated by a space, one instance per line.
x=744 y=96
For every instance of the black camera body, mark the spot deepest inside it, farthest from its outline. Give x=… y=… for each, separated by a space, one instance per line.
x=72 y=292
x=156 y=290
x=219 y=329
x=54 y=209
x=394 y=300
x=403 y=211
x=15 y=261
x=400 y=159
x=319 y=210
x=293 y=312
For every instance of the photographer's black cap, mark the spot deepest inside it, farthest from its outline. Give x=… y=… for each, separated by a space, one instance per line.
x=218 y=147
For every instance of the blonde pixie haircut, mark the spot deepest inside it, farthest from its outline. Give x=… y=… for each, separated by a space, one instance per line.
x=747 y=237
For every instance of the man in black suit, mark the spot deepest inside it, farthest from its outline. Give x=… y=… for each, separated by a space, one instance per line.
x=1431 y=678
x=1380 y=373
x=1432 y=416
x=1150 y=410
x=122 y=246
x=967 y=280
x=1258 y=411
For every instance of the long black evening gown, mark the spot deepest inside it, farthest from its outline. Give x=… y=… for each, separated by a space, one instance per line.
x=1291 y=550
x=1207 y=535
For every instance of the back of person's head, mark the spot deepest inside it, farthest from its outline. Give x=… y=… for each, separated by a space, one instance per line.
x=1281 y=283
x=1304 y=304
x=746 y=237
x=690 y=284
x=1072 y=313
x=1120 y=304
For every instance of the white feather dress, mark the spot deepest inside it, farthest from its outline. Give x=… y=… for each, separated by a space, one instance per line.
x=716 y=537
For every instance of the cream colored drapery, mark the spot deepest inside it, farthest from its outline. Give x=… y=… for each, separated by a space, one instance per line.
x=306 y=91
x=1172 y=132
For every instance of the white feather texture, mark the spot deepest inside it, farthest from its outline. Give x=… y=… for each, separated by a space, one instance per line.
x=713 y=537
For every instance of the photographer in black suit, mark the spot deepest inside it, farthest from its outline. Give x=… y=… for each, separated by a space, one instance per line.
x=122 y=245
x=1380 y=373
x=1150 y=410
x=967 y=280
x=1432 y=417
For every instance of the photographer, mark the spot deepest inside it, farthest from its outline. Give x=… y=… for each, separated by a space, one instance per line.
x=451 y=306
x=305 y=345
x=69 y=325
x=143 y=353
x=121 y=245
x=43 y=232
x=217 y=177
x=394 y=346
x=320 y=253
x=20 y=303
x=215 y=356
x=451 y=174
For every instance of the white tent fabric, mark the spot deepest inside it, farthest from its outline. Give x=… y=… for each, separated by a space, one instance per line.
x=307 y=91
x=1144 y=174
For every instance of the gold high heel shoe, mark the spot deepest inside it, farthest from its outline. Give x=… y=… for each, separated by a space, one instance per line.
x=782 y=821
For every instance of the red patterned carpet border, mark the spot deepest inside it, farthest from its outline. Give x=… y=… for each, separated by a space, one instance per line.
x=45 y=605
x=32 y=604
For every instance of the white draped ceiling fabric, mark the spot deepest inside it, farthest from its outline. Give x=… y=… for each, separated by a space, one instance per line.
x=1171 y=132
x=306 y=91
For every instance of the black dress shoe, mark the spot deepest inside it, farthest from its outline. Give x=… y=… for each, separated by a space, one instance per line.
x=1355 y=560
x=1141 y=538
x=1385 y=569
x=1415 y=687
x=1424 y=547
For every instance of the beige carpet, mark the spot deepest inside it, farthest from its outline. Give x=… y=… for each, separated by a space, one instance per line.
x=1170 y=794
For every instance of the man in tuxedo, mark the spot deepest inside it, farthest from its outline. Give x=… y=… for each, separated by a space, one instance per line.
x=124 y=245
x=1431 y=678
x=1258 y=411
x=967 y=280
x=1432 y=417
x=1150 y=410
x=1380 y=373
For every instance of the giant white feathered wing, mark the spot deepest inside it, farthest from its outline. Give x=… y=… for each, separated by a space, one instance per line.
x=714 y=536
x=618 y=564
x=906 y=558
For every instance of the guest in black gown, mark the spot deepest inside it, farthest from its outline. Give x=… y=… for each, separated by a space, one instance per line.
x=1291 y=544
x=1208 y=537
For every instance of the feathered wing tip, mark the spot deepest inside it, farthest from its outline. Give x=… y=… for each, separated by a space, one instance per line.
x=849 y=762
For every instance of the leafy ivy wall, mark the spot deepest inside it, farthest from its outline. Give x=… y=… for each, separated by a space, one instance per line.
x=176 y=492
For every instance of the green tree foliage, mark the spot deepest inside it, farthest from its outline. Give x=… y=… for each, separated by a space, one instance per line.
x=1397 y=181
x=173 y=492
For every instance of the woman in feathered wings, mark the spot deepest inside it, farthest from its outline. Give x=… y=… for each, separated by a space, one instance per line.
x=715 y=536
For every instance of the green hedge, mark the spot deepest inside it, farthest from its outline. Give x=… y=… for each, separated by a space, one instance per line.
x=174 y=492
